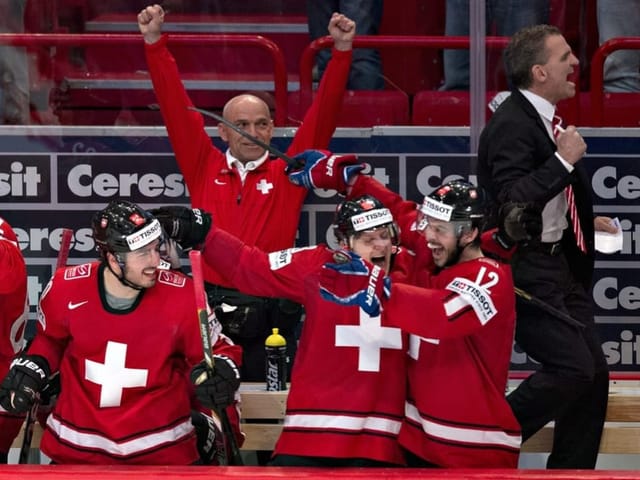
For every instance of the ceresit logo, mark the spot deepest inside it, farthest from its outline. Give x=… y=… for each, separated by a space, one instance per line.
x=431 y=176
x=609 y=184
x=625 y=351
x=83 y=182
x=607 y=295
x=34 y=240
x=20 y=181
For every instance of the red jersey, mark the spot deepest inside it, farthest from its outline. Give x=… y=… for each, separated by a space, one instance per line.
x=265 y=209
x=459 y=355
x=14 y=310
x=348 y=381
x=456 y=413
x=125 y=393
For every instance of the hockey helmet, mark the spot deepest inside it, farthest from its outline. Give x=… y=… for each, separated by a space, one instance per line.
x=361 y=214
x=124 y=227
x=456 y=201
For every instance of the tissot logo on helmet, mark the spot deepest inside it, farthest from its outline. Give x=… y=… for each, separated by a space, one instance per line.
x=361 y=214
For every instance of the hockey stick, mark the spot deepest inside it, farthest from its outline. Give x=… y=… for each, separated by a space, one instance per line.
x=272 y=150
x=550 y=309
x=232 y=458
x=30 y=419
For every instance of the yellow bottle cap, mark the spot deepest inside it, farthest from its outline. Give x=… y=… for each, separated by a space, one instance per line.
x=275 y=339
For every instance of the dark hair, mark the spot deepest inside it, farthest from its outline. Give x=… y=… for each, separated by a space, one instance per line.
x=526 y=49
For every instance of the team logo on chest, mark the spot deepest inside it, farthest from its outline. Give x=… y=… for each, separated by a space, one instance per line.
x=369 y=337
x=112 y=375
x=264 y=186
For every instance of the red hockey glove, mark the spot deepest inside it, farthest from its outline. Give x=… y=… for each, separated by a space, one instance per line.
x=354 y=281
x=322 y=169
x=216 y=390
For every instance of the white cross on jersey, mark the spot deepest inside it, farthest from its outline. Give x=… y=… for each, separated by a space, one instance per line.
x=264 y=186
x=414 y=345
x=113 y=375
x=370 y=336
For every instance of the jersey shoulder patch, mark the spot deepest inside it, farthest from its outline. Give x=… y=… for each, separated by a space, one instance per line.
x=172 y=278
x=77 y=271
x=283 y=258
x=475 y=295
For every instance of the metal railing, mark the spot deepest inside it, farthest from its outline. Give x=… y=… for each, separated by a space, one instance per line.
x=213 y=40
x=597 y=73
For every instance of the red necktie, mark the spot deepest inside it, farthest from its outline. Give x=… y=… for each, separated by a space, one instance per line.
x=556 y=128
x=575 y=220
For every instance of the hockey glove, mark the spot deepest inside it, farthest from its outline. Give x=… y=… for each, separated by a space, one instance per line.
x=21 y=387
x=354 y=281
x=518 y=223
x=51 y=390
x=216 y=390
x=209 y=438
x=188 y=227
x=322 y=169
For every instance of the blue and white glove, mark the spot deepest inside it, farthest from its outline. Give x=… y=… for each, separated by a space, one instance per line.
x=322 y=169
x=354 y=281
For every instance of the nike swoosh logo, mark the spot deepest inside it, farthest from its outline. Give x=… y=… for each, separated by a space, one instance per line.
x=73 y=306
x=218 y=182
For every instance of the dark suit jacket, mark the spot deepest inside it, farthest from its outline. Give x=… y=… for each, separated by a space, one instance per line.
x=516 y=162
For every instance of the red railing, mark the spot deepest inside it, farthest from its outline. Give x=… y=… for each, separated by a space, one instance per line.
x=597 y=73
x=382 y=41
x=308 y=58
x=114 y=39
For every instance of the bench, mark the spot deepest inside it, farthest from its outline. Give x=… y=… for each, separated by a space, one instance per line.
x=621 y=432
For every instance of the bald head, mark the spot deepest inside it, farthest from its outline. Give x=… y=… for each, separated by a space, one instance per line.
x=245 y=103
x=252 y=115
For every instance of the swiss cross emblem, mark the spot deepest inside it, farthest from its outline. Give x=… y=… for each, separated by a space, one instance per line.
x=264 y=186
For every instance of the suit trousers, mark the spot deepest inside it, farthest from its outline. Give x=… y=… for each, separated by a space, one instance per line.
x=572 y=384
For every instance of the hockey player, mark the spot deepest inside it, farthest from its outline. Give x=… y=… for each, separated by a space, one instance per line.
x=246 y=191
x=124 y=336
x=461 y=319
x=347 y=394
x=14 y=309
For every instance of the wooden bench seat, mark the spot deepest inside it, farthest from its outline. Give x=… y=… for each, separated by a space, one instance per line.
x=621 y=433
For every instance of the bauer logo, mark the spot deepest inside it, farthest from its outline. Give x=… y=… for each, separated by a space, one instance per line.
x=100 y=178
x=25 y=179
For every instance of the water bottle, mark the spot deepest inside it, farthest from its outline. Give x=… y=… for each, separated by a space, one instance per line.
x=275 y=348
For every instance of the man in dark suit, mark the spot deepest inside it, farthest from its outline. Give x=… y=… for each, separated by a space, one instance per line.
x=522 y=159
